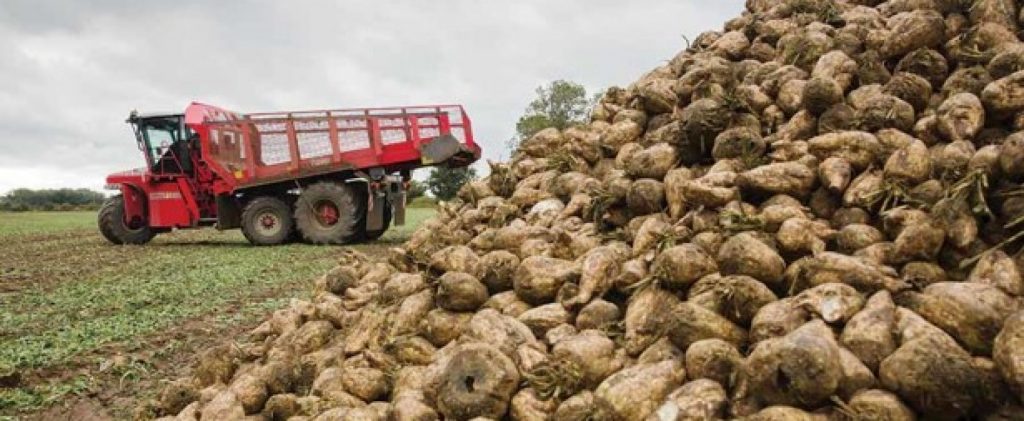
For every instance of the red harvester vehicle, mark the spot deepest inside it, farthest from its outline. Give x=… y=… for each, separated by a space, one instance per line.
x=331 y=176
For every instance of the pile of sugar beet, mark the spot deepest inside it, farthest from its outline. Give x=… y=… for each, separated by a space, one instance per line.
x=813 y=214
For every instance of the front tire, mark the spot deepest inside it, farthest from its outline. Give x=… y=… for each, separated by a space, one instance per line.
x=267 y=221
x=327 y=213
x=118 y=231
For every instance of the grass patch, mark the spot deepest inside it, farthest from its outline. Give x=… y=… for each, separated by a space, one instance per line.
x=422 y=202
x=28 y=223
x=170 y=288
x=413 y=218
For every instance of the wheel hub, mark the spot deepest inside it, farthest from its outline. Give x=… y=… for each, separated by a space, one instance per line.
x=268 y=221
x=269 y=224
x=326 y=213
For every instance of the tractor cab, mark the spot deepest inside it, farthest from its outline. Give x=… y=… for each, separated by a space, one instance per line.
x=166 y=141
x=163 y=195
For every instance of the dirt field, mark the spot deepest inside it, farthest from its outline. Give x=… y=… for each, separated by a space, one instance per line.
x=87 y=328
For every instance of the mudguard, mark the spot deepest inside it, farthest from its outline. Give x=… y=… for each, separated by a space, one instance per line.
x=447 y=149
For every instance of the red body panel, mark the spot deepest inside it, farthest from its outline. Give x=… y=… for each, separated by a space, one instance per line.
x=161 y=203
x=169 y=206
x=242 y=151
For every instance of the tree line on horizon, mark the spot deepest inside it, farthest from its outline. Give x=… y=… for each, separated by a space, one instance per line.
x=24 y=200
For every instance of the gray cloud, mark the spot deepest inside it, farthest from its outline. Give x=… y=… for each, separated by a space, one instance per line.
x=72 y=71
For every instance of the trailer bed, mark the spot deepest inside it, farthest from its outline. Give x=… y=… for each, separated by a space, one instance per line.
x=264 y=148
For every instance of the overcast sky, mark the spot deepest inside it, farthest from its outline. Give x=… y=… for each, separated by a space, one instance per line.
x=72 y=70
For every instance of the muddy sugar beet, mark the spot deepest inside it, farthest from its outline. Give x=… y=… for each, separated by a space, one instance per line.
x=813 y=213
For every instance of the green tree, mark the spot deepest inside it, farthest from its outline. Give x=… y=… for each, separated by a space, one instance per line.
x=560 y=104
x=444 y=182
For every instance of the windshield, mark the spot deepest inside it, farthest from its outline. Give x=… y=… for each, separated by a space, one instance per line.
x=165 y=141
x=157 y=135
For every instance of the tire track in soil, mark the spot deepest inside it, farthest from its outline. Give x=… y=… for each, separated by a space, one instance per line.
x=45 y=261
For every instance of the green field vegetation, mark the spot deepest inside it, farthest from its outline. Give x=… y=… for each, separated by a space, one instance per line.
x=70 y=303
x=422 y=202
x=35 y=223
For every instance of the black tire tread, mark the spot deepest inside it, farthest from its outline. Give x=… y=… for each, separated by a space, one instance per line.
x=345 y=199
x=103 y=221
x=110 y=219
x=258 y=204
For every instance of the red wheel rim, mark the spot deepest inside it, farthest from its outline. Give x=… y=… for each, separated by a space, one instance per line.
x=268 y=224
x=268 y=221
x=326 y=213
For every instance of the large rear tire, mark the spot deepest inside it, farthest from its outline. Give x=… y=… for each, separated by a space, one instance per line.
x=267 y=221
x=328 y=213
x=118 y=231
